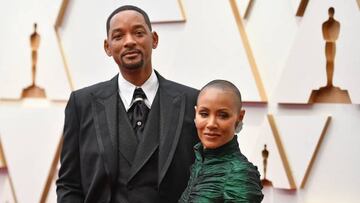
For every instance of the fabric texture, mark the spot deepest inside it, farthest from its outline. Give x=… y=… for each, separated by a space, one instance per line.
x=222 y=175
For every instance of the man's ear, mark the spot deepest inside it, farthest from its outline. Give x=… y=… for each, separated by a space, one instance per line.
x=106 y=47
x=155 y=38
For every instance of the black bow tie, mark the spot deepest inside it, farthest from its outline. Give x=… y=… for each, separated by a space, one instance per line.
x=138 y=112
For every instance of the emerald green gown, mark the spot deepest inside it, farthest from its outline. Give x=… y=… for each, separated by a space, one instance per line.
x=222 y=175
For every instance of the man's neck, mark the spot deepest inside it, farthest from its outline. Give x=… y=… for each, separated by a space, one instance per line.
x=136 y=77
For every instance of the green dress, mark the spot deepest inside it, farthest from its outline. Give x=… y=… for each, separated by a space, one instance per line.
x=222 y=175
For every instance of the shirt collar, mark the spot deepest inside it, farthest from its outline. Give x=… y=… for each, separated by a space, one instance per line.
x=126 y=90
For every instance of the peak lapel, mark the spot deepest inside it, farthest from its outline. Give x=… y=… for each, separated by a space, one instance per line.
x=171 y=120
x=104 y=111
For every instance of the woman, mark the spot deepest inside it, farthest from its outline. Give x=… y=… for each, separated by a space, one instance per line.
x=220 y=172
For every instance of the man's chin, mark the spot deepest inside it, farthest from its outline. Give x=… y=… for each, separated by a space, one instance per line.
x=133 y=66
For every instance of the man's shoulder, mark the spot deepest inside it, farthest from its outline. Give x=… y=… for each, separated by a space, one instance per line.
x=182 y=87
x=99 y=88
x=92 y=88
x=172 y=85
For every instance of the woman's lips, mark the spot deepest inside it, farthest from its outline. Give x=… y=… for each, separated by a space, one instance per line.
x=211 y=134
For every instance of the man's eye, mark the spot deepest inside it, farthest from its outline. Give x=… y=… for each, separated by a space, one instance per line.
x=139 y=33
x=117 y=37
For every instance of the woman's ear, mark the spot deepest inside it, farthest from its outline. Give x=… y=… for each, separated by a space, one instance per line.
x=241 y=115
x=238 y=127
x=239 y=123
x=195 y=113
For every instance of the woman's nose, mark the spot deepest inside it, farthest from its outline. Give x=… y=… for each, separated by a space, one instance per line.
x=211 y=122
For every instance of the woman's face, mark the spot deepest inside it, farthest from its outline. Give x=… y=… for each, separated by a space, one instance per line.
x=216 y=116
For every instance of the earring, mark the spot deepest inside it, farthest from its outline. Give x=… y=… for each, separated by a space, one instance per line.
x=238 y=127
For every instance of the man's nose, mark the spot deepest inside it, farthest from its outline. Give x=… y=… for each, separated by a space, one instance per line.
x=129 y=41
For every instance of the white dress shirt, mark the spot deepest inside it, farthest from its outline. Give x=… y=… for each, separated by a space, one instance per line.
x=126 y=90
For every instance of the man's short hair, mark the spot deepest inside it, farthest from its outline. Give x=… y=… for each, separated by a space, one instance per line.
x=125 y=8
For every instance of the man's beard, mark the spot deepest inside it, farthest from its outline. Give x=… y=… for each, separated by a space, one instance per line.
x=133 y=66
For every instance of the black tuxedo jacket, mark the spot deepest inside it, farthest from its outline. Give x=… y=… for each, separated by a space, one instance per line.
x=89 y=157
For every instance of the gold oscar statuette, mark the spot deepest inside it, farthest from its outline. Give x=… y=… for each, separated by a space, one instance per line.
x=33 y=90
x=265 y=155
x=330 y=93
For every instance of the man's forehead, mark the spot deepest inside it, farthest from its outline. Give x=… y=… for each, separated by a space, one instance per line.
x=125 y=14
x=136 y=20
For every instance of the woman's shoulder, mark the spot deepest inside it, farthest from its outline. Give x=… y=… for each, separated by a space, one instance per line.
x=243 y=181
x=239 y=162
x=241 y=168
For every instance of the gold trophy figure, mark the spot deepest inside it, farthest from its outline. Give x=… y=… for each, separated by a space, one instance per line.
x=330 y=93
x=33 y=90
x=330 y=30
x=265 y=155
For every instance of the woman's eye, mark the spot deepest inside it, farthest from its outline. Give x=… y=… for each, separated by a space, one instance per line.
x=203 y=114
x=224 y=115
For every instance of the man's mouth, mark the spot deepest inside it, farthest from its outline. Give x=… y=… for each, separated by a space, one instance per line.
x=131 y=54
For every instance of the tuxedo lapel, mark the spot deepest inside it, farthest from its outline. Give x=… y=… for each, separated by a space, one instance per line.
x=105 y=117
x=171 y=120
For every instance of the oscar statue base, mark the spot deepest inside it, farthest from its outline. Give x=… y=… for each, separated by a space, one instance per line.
x=329 y=94
x=266 y=182
x=34 y=92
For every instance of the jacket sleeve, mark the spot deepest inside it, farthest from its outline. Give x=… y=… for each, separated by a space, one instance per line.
x=243 y=185
x=69 y=187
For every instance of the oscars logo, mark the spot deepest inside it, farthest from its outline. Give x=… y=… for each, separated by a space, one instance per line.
x=33 y=90
x=330 y=93
x=265 y=155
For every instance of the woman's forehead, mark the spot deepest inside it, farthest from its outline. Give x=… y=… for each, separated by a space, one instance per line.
x=218 y=94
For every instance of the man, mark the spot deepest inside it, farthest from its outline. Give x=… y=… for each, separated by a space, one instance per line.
x=111 y=155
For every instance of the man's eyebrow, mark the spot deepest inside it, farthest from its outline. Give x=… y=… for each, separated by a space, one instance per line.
x=139 y=26
x=116 y=30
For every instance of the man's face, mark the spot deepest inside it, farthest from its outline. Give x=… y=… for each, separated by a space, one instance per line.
x=130 y=41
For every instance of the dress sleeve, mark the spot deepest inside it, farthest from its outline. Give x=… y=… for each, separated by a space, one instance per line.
x=243 y=185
